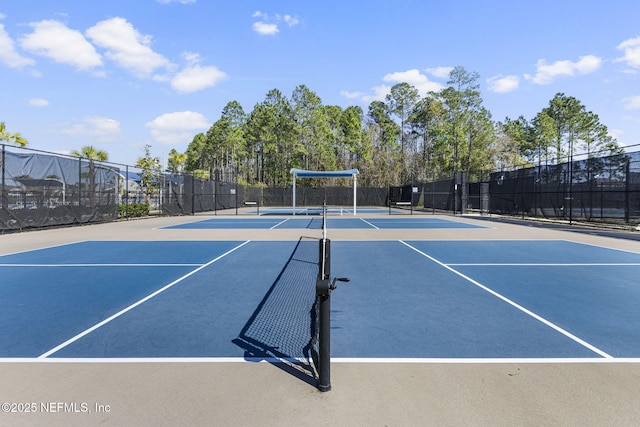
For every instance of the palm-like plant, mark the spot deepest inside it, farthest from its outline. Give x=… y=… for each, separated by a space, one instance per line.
x=14 y=138
x=177 y=161
x=92 y=154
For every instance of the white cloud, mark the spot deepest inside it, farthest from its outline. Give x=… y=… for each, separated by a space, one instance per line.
x=632 y=103
x=195 y=78
x=631 y=48
x=265 y=29
x=546 y=73
x=352 y=95
x=102 y=128
x=54 y=40
x=617 y=134
x=176 y=1
x=503 y=84
x=192 y=58
x=268 y=24
x=291 y=20
x=8 y=54
x=378 y=93
x=440 y=72
x=38 y=102
x=127 y=47
x=176 y=128
x=416 y=79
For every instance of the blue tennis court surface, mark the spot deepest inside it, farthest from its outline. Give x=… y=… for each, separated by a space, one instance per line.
x=406 y=299
x=315 y=222
x=318 y=211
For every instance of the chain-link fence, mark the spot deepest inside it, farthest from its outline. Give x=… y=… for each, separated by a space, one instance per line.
x=317 y=196
x=39 y=190
x=180 y=194
x=605 y=189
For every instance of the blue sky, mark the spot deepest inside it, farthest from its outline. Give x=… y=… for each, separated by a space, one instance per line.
x=120 y=74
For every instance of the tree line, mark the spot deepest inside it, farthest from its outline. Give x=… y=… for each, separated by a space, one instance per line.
x=407 y=136
x=404 y=136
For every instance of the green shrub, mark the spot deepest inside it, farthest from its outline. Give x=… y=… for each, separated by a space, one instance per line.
x=133 y=210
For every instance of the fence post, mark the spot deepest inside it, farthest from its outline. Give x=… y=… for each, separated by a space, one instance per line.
x=80 y=186
x=484 y=198
x=126 y=189
x=627 y=207
x=455 y=193
x=3 y=191
x=571 y=188
x=522 y=190
x=411 y=192
x=193 y=195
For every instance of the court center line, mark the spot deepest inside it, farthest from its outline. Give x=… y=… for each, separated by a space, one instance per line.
x=367 y=222
x=279 y=224
x=514 y=304
x=137 y=303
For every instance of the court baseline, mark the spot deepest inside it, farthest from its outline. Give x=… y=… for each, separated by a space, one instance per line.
x=134 y=305
x=518 y=306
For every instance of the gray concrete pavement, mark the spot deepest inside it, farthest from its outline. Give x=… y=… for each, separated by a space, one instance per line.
x=207 y=393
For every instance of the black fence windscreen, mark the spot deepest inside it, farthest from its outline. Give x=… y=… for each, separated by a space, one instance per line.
x=44 y=189
x=40 y=190
x=316 y=196
x=185 y=194
x=440 y=195
x=603 y=189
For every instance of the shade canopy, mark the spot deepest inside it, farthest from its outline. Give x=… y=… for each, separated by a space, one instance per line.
x=301 y=173
x=324 y=174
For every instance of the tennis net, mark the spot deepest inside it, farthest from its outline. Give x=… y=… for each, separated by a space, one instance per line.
x=284 y=326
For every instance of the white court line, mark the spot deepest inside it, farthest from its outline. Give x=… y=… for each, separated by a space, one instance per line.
x=398 y=360
x=134 y=305
x=493 y=360
x=279 y=224
x=514 y=304
x=480 y=360
x=100 y=265
x=603 y=247
x=516 y=264
x=44 y=247
x=367 y=222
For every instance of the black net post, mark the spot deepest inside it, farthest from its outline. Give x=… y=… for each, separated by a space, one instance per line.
x=323 y=292
x=324 y=337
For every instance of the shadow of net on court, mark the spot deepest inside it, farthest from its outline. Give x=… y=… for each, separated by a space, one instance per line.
x=283 y=329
